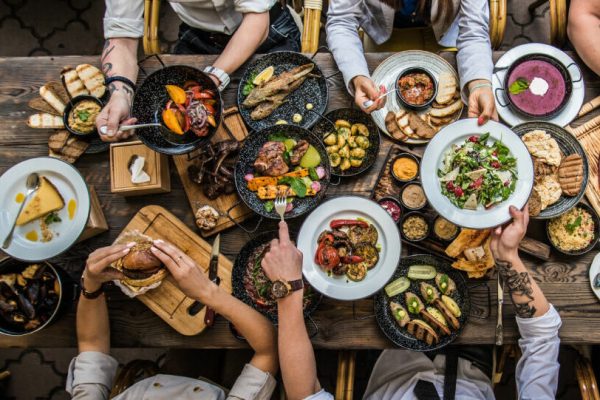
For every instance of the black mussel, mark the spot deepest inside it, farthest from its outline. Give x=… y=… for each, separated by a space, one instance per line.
x=32 y=291
x=39 y=272
x=25 y=306
x=6 y=291
x=17 y=318
x=7 y=307
x=597 y=281
x=47 y=276
x=32 y=324
x=49 y=302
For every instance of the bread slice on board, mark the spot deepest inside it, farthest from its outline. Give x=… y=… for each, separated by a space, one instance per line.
x=52 y=98
x=71 y=81
x=42 y=105
x=45 y=121
x=92 y=78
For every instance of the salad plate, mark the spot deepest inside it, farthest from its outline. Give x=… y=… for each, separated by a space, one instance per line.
x=472 y=174
x=387 y=238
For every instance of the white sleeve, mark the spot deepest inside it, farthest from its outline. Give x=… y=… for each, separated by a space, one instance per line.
x=343 y=40
x=537 y=370
x=253 y=6
x=91 y=375
x=474 y=57
x=124 y=19
x=320 y=395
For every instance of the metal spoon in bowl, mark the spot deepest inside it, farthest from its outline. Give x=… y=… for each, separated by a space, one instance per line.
x=369 y=103
x=103 y=129
x=32 y=184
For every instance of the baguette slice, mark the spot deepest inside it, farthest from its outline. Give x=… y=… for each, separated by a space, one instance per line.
x=92 y=78
x=71 y=80
x=446 y=111
x=42 y=105
x=446 y=88
x=59 y=90
x=52 y=99
x=45 y=121
x=392 y=127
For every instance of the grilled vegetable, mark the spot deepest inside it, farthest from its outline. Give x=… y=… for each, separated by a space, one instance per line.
x=398 y=286
x=433 y=321
x=399 y=313
x=416 y=272
x=356 y=272
x=445 y=284
x=413 y=303
x=452 y=306
x=452 y=320
x=429 y=293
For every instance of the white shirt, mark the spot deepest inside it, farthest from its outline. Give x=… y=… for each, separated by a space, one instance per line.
x=397 y=371
x=125 y=18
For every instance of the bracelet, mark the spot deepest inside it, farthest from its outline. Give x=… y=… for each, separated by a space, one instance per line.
x=480 y=85
x=91 y=295
x=122 y=79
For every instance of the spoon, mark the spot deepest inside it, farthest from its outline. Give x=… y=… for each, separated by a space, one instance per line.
x=369 y=103
x=103 y=129
x=32 y=184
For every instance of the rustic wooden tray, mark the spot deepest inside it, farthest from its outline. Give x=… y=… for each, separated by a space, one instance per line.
x=431 y=243
x=167 y=301
x=230 y=207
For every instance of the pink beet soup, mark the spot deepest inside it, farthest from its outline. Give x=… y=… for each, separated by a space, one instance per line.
x=534 y=104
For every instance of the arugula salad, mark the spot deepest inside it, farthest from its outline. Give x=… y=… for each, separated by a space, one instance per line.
x=477 y=173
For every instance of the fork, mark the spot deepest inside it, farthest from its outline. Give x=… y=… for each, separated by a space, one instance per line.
x=280 y=204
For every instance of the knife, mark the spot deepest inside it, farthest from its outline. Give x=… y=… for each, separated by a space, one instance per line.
x=209 y=317
x=499 y=327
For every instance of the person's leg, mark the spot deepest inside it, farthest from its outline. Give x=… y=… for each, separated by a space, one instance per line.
x=284 y=34
x=195 y=41
x=584 y=30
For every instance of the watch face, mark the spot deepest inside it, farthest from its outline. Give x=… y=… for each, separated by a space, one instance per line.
x=279 y=289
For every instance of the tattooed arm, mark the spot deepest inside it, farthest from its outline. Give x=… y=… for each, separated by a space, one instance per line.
x=119 y=58
x=538 y=321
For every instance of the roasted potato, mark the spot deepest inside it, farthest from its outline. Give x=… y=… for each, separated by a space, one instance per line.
x=345 y=164
x=335 y=159
x=356 y=162
x=358 y=153
x=362 y=142
x=342 y=123
x=332 y=149
x=344 y=152
x=360 y=129
x=330 y=139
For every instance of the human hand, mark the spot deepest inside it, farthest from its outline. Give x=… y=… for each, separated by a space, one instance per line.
x=505 y=240
x=283 y=260
x=97 y=267
x=364 y=90
x=481 y=102
x=192 y=281
x=115 y=112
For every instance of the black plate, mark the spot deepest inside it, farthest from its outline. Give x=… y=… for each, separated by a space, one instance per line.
x=150 y=99
x=239 y=270
x=587 y=248
x=386 y=320
x=568 y=145
x=313 y=90
x=248 y=154
x=323 y=127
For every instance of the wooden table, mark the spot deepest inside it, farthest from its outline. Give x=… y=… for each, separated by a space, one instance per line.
x=341 y=325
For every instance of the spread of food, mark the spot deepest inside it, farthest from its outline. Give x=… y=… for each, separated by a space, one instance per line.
x=475 y=173
x=413 y=197
x=415 y=227
x=82 y=118
x=28 y=298
x=285 y=167
x=416 y=88
x=405 y=168
x=573 y=231
x=189 y=108
x=266 y=94
x=349 y=248
x=347 y=146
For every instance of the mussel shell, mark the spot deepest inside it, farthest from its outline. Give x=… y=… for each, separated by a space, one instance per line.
x=25 y=306
x=7 y=307
x=32 y=290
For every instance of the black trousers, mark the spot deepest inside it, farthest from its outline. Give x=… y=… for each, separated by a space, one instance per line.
x=283 y=35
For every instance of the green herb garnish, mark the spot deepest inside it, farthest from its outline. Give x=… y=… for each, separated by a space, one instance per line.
x=52 y=218
x=297 y=185
x=248 y=86
x=278 y=137
x=518 y=86
x=83 y=115
x=269 y=206
x=573 y=225
x=313 y=174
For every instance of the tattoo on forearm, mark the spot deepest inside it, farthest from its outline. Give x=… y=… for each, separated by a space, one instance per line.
x=519 y=288
x=106 y=69
x=106 y=66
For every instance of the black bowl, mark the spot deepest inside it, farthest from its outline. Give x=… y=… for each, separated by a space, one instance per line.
x=399 y=336
x=248 y=154
x=589 y=246
x=406 y=205
x=405 y=155
x=410 y=214
x=239 y=270
x=395 y=201
x=314 y=90
x=150 y=99
x=568 y=144
x=551 y=60
x=411 y=106
x=324 y=127
x=65 y=297
x=70 y=105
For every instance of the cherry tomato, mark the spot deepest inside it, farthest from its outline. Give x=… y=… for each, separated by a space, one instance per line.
x=450 y=186
x=458 y=192
x=474 y=139
x=327 y=257
x=495 y=164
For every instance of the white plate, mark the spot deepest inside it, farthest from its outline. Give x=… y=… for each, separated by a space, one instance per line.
x=593 y=271
x=387 y=72
x=513 y=118
x=350 y=207
x=457 y=133
x=69 y=183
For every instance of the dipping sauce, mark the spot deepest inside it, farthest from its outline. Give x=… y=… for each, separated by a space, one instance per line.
x=413 y=196
x=416 y=88
x=32 y=236
x=71 y=208
x=537 y=74
x=82 y=117
x=415 y=227
x=572 y=231
x=392 y=207
x=19 y=198
x=405 y=168
x=444 y=229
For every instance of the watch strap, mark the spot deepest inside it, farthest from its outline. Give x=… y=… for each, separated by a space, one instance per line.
x=221 y=75
x=91 y=295
x=118 y=78
x=296 y=285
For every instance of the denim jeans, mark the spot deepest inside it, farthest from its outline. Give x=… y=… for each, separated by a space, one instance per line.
x=283 y=35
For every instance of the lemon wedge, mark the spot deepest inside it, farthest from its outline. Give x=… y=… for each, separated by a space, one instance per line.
x=264 y=75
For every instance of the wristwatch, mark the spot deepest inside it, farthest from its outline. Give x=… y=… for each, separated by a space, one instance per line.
x=221 y=75
x=280 y=288
x=91 y=295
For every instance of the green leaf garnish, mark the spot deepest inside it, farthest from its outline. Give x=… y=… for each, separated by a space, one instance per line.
x=83 y=115
x=248 y=86
x=52 y=218
x=573 y=225
x=297 y=185
x=518 y=86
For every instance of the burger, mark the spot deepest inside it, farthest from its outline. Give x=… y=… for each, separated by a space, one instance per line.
x=140 y=267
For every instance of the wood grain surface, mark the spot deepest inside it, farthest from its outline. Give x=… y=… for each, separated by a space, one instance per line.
x=564 y=280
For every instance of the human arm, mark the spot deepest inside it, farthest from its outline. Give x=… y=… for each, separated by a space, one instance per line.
x=538 y=321
x=474 y=59
x=252 y=325
x=296 y=355
x=584 y=30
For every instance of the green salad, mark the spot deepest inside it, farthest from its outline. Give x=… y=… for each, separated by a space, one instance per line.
x=477 y=173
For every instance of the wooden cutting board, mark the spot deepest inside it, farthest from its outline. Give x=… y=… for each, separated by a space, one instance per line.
x=167 y=301
x=232 y=125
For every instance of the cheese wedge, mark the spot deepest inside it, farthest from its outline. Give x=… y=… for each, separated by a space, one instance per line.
x=44 y=201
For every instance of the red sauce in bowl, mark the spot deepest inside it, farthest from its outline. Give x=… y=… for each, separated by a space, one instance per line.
x=392 y=207
x=416 y=88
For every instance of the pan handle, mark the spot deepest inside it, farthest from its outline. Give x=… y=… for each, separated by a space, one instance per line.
x=501 y=89
x=578 y=70
x=247 y=230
